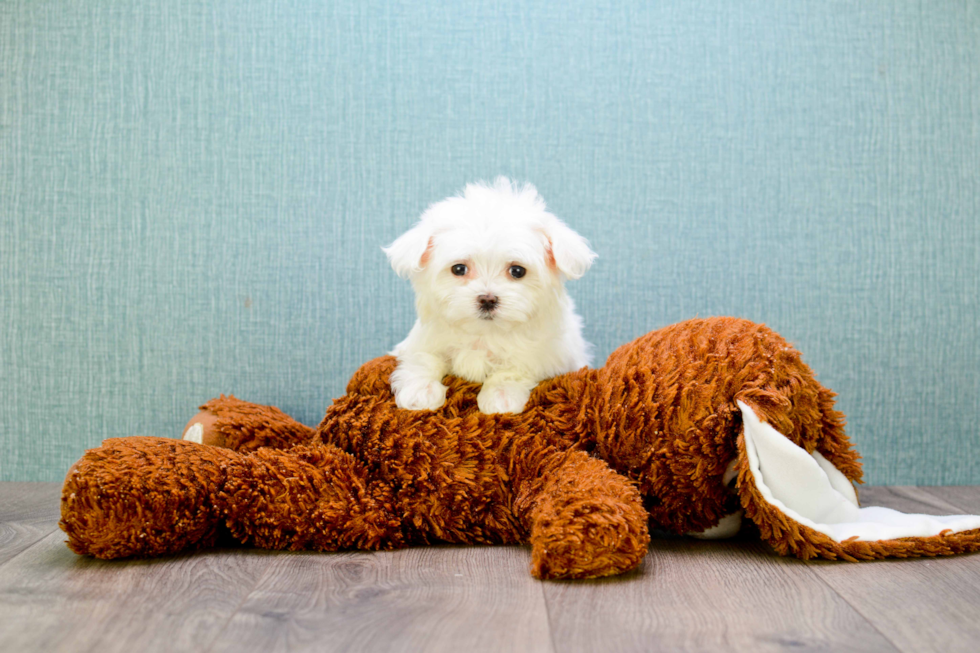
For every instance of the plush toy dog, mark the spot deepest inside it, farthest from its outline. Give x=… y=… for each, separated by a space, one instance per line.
x=693 y=427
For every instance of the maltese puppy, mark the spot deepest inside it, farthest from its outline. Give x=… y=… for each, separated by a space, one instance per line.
x=488 y=269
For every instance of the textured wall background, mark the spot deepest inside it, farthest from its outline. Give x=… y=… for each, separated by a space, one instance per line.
x=193 y=195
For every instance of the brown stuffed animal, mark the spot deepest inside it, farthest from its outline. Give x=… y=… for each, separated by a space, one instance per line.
x=692 y=427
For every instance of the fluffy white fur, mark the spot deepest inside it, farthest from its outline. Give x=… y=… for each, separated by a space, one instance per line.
x=486 y=325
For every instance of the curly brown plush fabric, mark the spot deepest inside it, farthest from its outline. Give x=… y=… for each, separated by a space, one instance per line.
x=143 y=497
x=577 y=475
x=668 y=418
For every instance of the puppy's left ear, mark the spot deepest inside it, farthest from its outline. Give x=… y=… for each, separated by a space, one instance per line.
x=408 y=254
x=567 y=251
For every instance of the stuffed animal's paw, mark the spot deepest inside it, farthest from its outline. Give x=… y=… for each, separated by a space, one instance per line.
x=142 y=496
x=586 y=520
x=589 y=539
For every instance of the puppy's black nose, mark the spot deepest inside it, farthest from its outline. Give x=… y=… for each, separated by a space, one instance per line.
x=487 y=302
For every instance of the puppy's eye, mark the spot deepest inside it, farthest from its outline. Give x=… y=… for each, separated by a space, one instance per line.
x=517 y=271
x=459 y=270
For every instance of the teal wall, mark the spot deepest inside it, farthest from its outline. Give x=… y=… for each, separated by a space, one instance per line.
x=193 y=195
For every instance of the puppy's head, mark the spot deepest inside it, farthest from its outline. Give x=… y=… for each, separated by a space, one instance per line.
x=492 y=257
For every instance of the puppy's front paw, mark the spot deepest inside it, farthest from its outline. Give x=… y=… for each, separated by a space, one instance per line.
x=419 y=394
x=502 y=398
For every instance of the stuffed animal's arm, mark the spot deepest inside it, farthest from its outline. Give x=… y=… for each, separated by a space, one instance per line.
x=584 y=519
x=142 y=496
x=308 y=498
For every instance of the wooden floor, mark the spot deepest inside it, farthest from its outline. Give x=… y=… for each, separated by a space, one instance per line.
x=687 y=596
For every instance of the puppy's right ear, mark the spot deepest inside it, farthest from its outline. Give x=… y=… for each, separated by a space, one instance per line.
x=410 y=252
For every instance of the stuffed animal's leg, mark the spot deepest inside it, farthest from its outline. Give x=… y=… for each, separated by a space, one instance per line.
x=805 y=505
x=315 y=497
x=243 y=426
x=585 y=520
x=142 y=496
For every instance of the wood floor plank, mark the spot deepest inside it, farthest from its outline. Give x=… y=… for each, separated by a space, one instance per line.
x=692 y=595
x=29 y=512
x=54 y=600
x=688 y=595
x=964 y=497
x=908 y=498
x=455 y=599
x=924 y=604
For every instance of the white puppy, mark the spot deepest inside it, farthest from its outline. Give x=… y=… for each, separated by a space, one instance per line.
x=488 y=268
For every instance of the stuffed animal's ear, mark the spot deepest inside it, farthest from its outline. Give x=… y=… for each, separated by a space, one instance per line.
x=568 y=251
x=409 y=253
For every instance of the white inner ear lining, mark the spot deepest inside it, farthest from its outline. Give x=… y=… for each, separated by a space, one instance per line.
x=809 y=490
